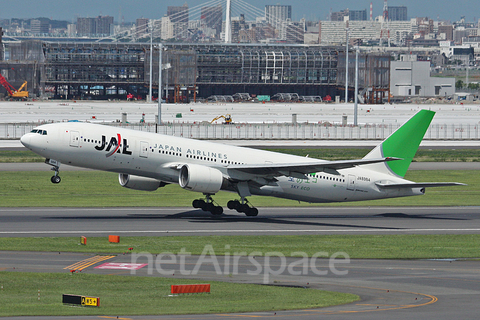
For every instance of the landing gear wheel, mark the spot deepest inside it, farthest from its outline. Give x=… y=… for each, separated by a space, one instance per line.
x=55 y=179
x=198 y=203
x=242 y=207
x=217 y=210
x=233 y=204
x=207 y=205
x=56 y=168
x=251 y=212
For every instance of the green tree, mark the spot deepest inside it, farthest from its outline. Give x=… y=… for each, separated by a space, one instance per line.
x=459 y=84
x=473 y=86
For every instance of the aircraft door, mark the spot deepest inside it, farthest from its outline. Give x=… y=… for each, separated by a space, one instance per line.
x=144 y=149
x=351 y=182
x=74 y=138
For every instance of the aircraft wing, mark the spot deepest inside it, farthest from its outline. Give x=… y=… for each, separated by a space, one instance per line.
x=295 y=169
x=419 y=185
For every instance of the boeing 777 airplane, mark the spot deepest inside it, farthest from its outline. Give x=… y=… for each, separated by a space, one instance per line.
x=148 y=161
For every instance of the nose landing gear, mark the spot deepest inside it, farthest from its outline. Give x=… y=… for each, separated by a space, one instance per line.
x=55 y=167
x=56 y=178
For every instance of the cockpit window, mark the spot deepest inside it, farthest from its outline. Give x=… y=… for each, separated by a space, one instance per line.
x=42 y=132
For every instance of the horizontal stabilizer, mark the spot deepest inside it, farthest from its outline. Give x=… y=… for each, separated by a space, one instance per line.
x=418 y=185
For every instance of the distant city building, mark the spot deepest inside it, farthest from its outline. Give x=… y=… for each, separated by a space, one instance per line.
x=142 y=26
x=295 y=33
x=178 y=14
x=459 y=34
x=358 y=15
x=445 y=32
x=353 y=15
x=1 y=44
x=99 y=26
x=277 y=16
x=39 y=26
x=71 y=30
x=179 y=19
x=333 y=32
x=212 y=17
x=167 y=28
x=103 y=25
x=410 y=77
x=85 y=26
x=397 y=13
x=458 y=52
x=339 y=16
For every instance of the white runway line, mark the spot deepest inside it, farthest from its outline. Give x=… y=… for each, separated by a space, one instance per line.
x=243 y=231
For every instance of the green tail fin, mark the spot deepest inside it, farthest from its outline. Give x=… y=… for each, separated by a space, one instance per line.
x=404 y=143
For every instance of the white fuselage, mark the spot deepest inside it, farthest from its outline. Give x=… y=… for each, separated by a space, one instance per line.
x=159 y=156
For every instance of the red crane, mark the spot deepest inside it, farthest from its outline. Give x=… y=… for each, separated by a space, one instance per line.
x=12 y=91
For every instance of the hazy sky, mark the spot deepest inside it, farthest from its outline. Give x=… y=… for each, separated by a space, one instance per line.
x=154 y=9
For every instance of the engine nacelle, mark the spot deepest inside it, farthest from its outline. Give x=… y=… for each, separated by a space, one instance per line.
x=200 y=178
x=139 y=183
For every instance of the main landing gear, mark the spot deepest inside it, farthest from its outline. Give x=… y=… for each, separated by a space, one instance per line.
x=207 y=205
x=242 y=206
x=55 y=167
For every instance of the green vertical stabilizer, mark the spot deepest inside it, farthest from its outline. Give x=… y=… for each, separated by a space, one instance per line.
x=404 y=142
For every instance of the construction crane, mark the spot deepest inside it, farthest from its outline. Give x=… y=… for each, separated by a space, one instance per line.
x=227 y=117
x=21 y=93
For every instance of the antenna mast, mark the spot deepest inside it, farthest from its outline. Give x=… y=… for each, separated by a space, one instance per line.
x=371 y=11
x=385 y=25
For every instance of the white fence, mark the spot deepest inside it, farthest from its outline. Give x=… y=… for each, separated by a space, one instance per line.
x=284 y=131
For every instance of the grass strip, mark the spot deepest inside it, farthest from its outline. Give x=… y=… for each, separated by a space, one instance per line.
x=28 y=294
x=356 y=246
x=101 y=189
x=19 y=156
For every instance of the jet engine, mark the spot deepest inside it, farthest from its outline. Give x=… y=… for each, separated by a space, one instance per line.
x=139 y=183
x=200 y=178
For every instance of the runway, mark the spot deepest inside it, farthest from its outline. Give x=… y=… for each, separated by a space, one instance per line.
x=389 y=289
x=63 y=222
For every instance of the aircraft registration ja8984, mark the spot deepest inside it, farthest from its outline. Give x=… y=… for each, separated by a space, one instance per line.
x=148 y=161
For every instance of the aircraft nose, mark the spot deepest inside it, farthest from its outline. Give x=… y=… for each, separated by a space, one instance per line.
x=25 y=140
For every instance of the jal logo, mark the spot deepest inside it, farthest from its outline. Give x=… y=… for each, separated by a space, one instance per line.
x=114 y=145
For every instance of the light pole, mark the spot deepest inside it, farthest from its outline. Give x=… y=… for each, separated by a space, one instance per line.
x=355 y=108
x=151 y=62
x=346 y=66
x=160 y=50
